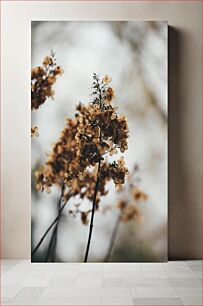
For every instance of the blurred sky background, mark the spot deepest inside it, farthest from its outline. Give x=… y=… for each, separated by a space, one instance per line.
x=134 y=54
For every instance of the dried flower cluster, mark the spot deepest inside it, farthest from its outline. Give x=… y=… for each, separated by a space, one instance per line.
x=60 y=159
x=115 y=171
x=95 y=131
x=131 y=196
x=42 y=79
x=78 y=161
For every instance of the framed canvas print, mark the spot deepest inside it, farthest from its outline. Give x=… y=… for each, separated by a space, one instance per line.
x=99 y=141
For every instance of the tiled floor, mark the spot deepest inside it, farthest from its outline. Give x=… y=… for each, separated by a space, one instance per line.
x=172 y=283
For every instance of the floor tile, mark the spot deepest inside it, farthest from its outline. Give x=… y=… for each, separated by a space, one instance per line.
x=89 y=279
x=90 y=274
x=176 y=268
x=69 y=268
x=145 y=282
x=152 y=292
x=178 y=274
x=117 y=301
x=192 y=301
x=69 y=301
x=74 y=292
x=175 y=263
x=28 y=292
x=37 y=279
x=14 y=276
x=189 y=291
x=152 y=267
x=185 y=282
x=21 y=301
x=88 y=282
x=111 y=282
x=198 y=274
x=50 y=267
x=172 y=283
x=58 y=282
x=6 y=268
x=115 y=292
x=157 y=301
x=123 y=274
x=67 y=273
x=9 y=292
x=196 y=268
x=91 y=267
x=155 y=274
x=193 y=262
x=126 y=267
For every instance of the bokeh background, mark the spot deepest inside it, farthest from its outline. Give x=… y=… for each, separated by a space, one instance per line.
x=134 y=54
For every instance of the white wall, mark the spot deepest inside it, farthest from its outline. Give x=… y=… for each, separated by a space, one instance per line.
x=185 y=60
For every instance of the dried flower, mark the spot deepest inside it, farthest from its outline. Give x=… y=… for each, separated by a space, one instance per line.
x=139 y=195
x=76 y=162
x=129 y=198
x=96 y=131
x=48 y=61
x=57 y=167
x=131 y=212
x=42 y=181
x=106 y=79
x=110 y=95
x=34 y=131
x=42 y=79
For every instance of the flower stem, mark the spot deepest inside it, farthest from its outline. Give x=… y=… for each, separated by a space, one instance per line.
x=93 y=211
x=113 y=238
x=53 y=241
x=96 y=186
x=49 y=228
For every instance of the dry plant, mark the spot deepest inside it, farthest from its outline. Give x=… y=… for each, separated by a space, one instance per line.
x=79 y=164
x=42 y=80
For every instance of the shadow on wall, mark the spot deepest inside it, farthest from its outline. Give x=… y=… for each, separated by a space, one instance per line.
x=184 y=236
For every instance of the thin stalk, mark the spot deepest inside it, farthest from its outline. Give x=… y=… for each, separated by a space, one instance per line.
x=49 y=228
x=52 y=243
x=96 y=186
x=93 y=211
x=47 y=231
x=53 y=259
x=113 y=238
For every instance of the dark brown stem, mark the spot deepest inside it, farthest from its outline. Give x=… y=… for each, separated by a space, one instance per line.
x=48 y=229
x=52 y=243
x=53 y=259
x=113 y=238
x=96 y=187
x=93 y=211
